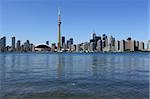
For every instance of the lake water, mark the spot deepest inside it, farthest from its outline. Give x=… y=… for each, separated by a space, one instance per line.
x=74 y=76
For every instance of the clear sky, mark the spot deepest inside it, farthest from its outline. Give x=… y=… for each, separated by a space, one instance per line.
x=36 y=20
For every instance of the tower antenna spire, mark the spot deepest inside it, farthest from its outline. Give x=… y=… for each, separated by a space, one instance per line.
x=59 y=12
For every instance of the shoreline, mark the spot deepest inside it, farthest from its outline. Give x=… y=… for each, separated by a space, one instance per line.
x=49 y=52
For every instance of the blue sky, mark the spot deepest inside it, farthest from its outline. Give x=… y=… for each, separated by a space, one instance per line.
x=36 y=20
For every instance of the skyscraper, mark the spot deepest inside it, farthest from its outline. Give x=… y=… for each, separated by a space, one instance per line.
x=117 y=45
x=99 y=45
x=148 y=45
x=47 y=42
x=141 y=46
x=137 y=45
x=59 y=35
x=91 y=47
x=62 y=40
x=71 y=41
x=110 y=41
x=122 y=45
x=18 y=45
x=13 y=43
x=3 y=44
x=132 y=46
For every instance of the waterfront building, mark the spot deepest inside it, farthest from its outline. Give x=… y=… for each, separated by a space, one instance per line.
x=91 y=47
x=103 y=44
x=22 y=47
x=42 y=48
x=117 y=45
x=148 y=45
x=94 y=35
x=18 y=45
x=62 y=40
x=13 y=43
x=77 y=47
x=104 y=40
x=73 y=48
x=132 y=46
x=128 y=44
x=69 y=44
x=85 y=46
x=32 y=47
x=71 y=41
x=64 y=47
x=122 y=45
x=3 y=44
x=99 y=45
x=141 y=46
x=27 y=46
x=8 y=48
x=47 y=43
x=94 y=40
x=111 y=43
x=136 y=45
x=53 y=47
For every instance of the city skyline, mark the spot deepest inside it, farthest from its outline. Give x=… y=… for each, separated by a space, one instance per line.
x=97 y=43
x=77 y=24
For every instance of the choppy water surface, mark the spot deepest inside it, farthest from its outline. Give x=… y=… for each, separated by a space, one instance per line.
x=74 y=76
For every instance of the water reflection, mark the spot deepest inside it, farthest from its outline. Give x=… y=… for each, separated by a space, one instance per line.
x=82 y=73
x=13 y=65
x=2 y=74
x=60 y=66
x=94 y=66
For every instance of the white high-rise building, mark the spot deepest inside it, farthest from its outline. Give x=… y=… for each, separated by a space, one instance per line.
x=99 y=45
x=91 y=47
x=78 y=48
x=148 y=45
x=117 y=45
x=13 y=43
x=141 y=46
x=122 y=45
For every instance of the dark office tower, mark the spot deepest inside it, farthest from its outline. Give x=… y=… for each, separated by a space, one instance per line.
x=104 y=40
x=136 y=45
x=104 y=36
x=47 y=42
x=18 y=45
x=63 y=40
x=68 y=44
x=3 y=44
x=71 y=40
x=13 y=43
x=28 y=41
x=27 y=46
x=94 y=35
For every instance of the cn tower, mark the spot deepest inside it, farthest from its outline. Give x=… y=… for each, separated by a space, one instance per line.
x=59 y=34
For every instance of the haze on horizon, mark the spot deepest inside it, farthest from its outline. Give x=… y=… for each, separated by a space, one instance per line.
x=36 y=20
